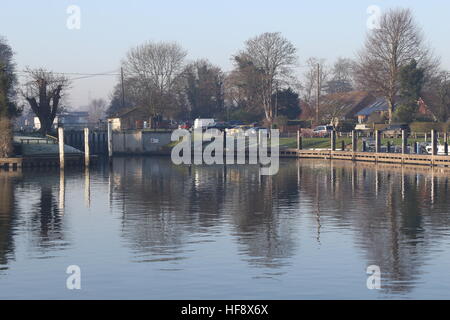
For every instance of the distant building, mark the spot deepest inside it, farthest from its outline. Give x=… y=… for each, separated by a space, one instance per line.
x=131 y=118
x=138 y=118
x=75 y=120
x=342 y=106
x=378 y=109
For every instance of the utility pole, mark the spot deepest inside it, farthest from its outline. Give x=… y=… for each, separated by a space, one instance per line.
x=318 y=94
x=276 y=99
x=123 y=88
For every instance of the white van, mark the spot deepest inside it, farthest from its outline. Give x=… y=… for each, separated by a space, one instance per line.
x=202 y=123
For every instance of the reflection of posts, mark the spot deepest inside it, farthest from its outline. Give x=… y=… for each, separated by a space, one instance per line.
x=87 y=188
x=86 y=147
x=61 y=190
x=61 y=147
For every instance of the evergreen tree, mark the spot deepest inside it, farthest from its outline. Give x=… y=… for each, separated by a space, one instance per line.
x=411 y=80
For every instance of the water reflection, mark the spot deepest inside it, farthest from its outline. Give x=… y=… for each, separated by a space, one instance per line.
x=396 y=216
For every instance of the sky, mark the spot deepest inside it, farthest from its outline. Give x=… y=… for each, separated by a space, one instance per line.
x=38 y=32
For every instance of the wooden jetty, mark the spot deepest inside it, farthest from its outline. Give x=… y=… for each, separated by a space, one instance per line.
x=376 y=157
x=403 y=158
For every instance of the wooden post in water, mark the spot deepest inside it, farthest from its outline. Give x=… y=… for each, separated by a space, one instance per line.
x=333 y=140
x=446 y=143
x=404 y=141
x=433 y=142
x=61 y=147
x=86 y=147
x=377 y=141
x=354 y=141
x=110 y=141
x=299 y=141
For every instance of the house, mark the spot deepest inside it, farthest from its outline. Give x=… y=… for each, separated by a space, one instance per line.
x=342 y=106
x=379 y=109
x=130 y=118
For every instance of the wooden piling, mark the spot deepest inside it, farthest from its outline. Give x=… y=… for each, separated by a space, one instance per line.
x=86 y=147
x=404 y=141
x=446 y=143
x=354 y=141
x=377 y=141
x=110 y=141
x=299 y=141
x=333 y=140
x=433 y=142
x=61 y=147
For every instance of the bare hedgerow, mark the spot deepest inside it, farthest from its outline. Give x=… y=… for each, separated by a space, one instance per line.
x=6 y=149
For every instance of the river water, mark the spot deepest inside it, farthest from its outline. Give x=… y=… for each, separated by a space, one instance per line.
x=147 y=229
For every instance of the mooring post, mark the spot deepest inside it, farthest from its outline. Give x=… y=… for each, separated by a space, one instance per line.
x=446 y=143
x=433 y=142
x=333 y=140
x=404 y=141
x=377 y=141
x=61 y=147
x=354 y=141
x=110 y=141
x=417 y=147
x=86 y=147
x=299 y=140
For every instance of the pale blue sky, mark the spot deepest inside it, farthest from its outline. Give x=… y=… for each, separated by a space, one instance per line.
x=207 y=29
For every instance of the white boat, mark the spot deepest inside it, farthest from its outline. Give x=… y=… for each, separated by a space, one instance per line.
x=440 y=151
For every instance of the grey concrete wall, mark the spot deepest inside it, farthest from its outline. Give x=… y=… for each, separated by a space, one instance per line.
x=139 y=142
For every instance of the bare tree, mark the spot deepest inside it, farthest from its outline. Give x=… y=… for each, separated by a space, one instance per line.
x=396 y=42
x=274 y=57
x=341 y=76
x=44 y=91
x=153 y=73
x=310 y=79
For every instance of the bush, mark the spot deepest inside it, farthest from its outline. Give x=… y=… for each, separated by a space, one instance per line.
x=6 y=137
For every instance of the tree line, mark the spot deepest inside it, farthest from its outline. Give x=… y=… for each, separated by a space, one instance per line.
x=264 y=84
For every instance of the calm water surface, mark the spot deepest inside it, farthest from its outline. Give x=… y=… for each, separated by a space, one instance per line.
x=147 y=229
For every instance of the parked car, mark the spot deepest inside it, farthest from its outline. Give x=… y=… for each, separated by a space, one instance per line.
x=395 y=130
x=323 y=131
